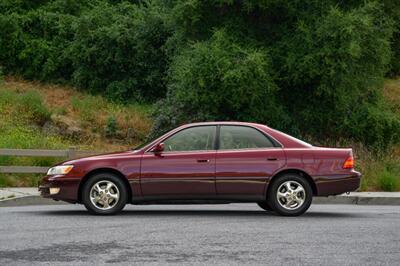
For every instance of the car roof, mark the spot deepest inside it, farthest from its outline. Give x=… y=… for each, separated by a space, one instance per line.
x=223 y=123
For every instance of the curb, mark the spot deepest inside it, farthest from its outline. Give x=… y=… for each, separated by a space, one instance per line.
x=28 y=201
x=355 y=200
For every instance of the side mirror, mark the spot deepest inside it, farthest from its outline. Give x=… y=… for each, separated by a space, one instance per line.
x=158 y=148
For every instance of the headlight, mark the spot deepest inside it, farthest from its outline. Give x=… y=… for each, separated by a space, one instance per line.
x=60 y=170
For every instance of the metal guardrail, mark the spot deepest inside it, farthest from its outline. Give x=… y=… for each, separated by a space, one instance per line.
x=70 y=153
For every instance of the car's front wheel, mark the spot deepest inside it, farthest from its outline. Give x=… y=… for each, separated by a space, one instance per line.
x=290 y=195
x=104 y=194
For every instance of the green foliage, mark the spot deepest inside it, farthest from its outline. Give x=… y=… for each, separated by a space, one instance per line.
x=220 y=79
x=307 y=67
x=1 y=75
x=28 y=105
x=118 y=51
x=388 y=181
x=22 y=137
x=87 y=107
x=111 y=126
x=115 y=49
x=392 y=10
x=332 y=69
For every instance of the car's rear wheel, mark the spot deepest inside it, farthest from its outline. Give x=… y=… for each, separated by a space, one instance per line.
x=290 y=195
x=105 y=194
x=265 y=205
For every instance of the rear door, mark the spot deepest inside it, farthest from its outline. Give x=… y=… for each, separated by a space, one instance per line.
x=186 y=167
x=245 y=161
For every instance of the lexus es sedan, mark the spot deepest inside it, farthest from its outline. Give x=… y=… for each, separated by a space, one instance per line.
x=213 y=162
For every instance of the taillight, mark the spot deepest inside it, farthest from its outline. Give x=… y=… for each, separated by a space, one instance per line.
x=349 y=163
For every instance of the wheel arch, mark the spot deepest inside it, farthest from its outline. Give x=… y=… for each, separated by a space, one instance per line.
x=302 y=173
x=104 y=170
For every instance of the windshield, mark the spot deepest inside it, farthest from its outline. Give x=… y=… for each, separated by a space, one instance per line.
x=140 y=146
x=146 y=142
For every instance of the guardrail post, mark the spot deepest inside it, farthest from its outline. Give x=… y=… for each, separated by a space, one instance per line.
x=72 y=152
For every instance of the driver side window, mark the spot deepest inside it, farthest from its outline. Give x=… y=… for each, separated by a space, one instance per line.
x=199 y=138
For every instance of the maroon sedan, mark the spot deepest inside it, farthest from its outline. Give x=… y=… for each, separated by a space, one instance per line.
x=218 y=162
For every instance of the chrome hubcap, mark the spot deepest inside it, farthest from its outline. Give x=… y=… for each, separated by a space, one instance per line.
x=291 y=195
x=104 y=195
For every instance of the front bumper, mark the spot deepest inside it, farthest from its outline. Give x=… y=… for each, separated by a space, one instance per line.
x=337 y=184
x=68 y=188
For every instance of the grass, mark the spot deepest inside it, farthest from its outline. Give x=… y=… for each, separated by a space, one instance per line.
x=25 y=108
x=380 y=172
x=90 y=112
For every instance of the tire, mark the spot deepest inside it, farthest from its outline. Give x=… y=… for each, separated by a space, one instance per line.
x=104 y=194
x=290 y=202
x=265 y=205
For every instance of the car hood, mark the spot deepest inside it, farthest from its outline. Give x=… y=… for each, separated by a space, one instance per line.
x=103 y=156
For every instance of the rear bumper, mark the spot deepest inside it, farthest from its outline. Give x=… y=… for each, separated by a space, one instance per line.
x=68 y=188
x=337 y=184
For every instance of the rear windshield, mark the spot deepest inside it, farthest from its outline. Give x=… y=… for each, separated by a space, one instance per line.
x=295 y=139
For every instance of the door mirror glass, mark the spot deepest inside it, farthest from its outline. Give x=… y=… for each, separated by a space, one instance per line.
x=158 y=148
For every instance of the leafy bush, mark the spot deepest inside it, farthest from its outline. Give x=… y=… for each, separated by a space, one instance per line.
x=115 y=49
x=388 y=181
x=118 y=51
x=1 y=75
x=333 y=67
x=221 y=80
x=112 y=126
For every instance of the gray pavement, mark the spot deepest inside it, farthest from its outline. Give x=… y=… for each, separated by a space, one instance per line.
x=200 y=235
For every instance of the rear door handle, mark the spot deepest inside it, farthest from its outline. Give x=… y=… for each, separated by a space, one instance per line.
x=272 y=159
x=203 y=161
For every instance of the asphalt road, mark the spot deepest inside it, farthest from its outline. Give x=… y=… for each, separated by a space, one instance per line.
x=200 y=235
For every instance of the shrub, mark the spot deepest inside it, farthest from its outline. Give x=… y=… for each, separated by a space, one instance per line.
x=333 y=67
x=111 y=126
x=221 y=80
x=117 y=50
x=388 y=181
x=31 y=102
x=1 y=75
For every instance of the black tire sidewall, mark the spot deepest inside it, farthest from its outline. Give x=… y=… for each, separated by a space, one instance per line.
x=273 y=201
x=99 y=177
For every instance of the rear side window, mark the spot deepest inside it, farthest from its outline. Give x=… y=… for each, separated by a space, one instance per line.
x=199 y=138
x=241 y=137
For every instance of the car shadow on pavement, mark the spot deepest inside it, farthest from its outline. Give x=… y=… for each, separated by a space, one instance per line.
x=202 y=213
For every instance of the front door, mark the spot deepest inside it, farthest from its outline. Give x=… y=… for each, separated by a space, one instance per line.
x=186 y=167
x=245 y=161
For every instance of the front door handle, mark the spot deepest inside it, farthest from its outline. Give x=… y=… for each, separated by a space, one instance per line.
x=203 y=161
x=272 y=159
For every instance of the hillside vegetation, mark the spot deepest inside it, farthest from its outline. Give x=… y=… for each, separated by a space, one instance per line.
x=40 y=116
x=323 y=71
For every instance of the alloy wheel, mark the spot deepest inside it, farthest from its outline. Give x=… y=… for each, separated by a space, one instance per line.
x=104 y=195
x=291 y=195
